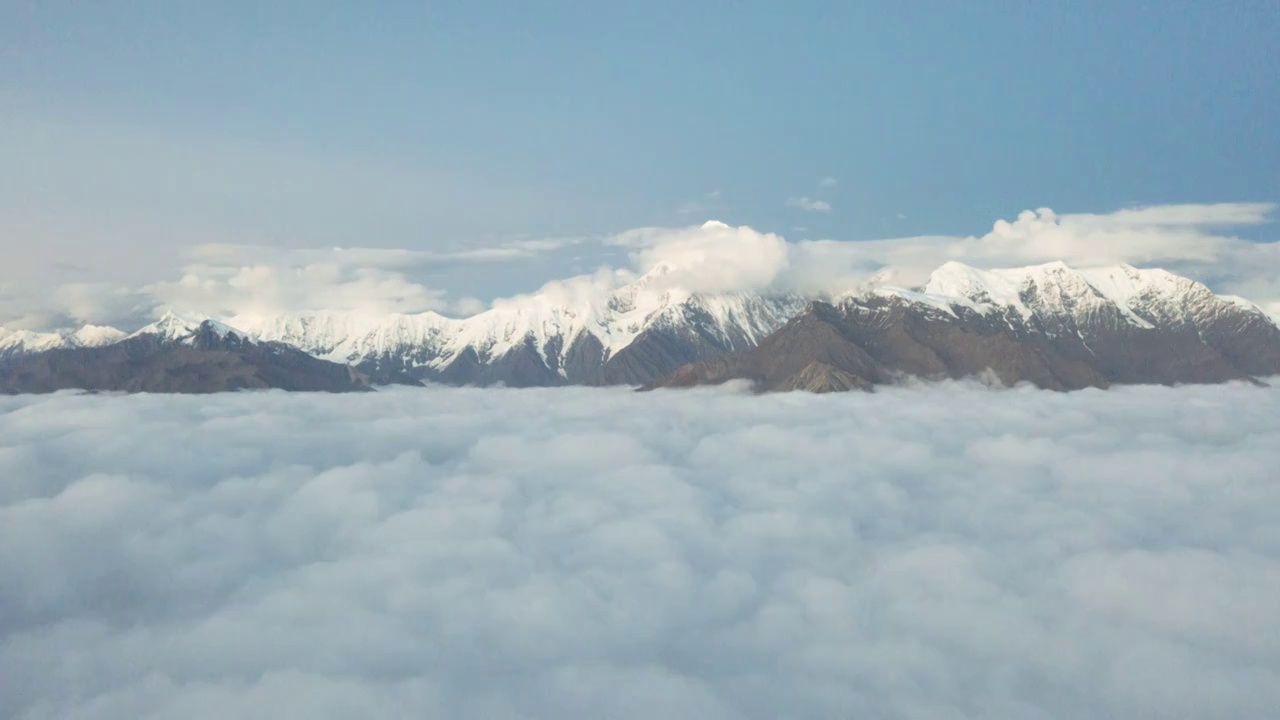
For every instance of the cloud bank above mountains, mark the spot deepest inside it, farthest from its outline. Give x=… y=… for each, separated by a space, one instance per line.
x=235 y=280
x=687 y=555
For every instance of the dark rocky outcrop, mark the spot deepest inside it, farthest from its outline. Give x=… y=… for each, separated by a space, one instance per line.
x=207 y=360
x=876 y=340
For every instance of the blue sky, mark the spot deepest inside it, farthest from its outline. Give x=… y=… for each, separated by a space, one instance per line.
x=452 y=124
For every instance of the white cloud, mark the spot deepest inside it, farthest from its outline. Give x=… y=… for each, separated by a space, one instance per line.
x=574 y=292
x=505 y=251
x=1188 y=214
x=232 y=280
x=337 y=280
x=434 y=554
x=715 y=258
x=227 y=279
x=809 y=204
x=100 y=303
x=1181 y=238
x=386 y=258
x=469 y=306
x=827 y=182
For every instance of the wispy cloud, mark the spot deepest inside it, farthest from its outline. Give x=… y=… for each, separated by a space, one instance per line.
x=1185 y=239
x=230 y=280
x=707 y=204
x=809 y=204
x=827 y=182
x=1182 y=238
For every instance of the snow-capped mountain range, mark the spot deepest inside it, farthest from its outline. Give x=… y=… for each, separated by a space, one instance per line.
x=1048 y=325
x=622 y=336
x=169 y=328
x=644 y=330
x=1054 y=293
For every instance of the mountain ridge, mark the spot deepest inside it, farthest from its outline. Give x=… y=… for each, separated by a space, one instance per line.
x=649 y=332
x=1049 y=325
x=177 y=355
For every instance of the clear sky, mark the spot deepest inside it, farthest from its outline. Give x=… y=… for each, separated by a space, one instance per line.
x=449 y=124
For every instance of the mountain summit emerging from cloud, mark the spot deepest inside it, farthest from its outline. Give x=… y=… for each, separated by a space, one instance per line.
x=692 y=294
x=228 y=281
x=1050 y=325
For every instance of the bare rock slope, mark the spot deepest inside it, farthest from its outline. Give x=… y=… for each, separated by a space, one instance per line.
x=1050 y=326
x=175 y=356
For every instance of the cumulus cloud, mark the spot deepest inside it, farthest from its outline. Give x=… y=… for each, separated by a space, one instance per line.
x=234 y=280
x=712 y=257
x=574 y=292
x=809 y=204
x=336 y=282
x=715 y=257
x=682 y=554
x=1187 y=239
x=238 y=280
x=1182 y=238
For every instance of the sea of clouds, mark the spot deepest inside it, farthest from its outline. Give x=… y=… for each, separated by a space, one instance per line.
x=944 y=551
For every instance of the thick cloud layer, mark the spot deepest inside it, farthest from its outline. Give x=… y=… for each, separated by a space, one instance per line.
x=930 y=552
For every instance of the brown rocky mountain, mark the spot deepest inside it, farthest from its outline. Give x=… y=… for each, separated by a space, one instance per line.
x=175 y=356
x=1050 y=326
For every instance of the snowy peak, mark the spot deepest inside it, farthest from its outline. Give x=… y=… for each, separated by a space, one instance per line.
x=566 y=330
x=95 y=336
x=13 y=342
x=1054 y=291
x=169 y=328
x=989 y=289
x=1049 y=325
x=16 y=341
x=347 y=334
x=1011 y=286
x=596 y=329
x=172 y=327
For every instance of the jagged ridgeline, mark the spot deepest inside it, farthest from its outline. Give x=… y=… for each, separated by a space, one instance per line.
x=1049 y=325
x=174 y=355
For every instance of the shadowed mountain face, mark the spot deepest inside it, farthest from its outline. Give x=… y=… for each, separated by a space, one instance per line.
x=1054 y=331
x=203 y=358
